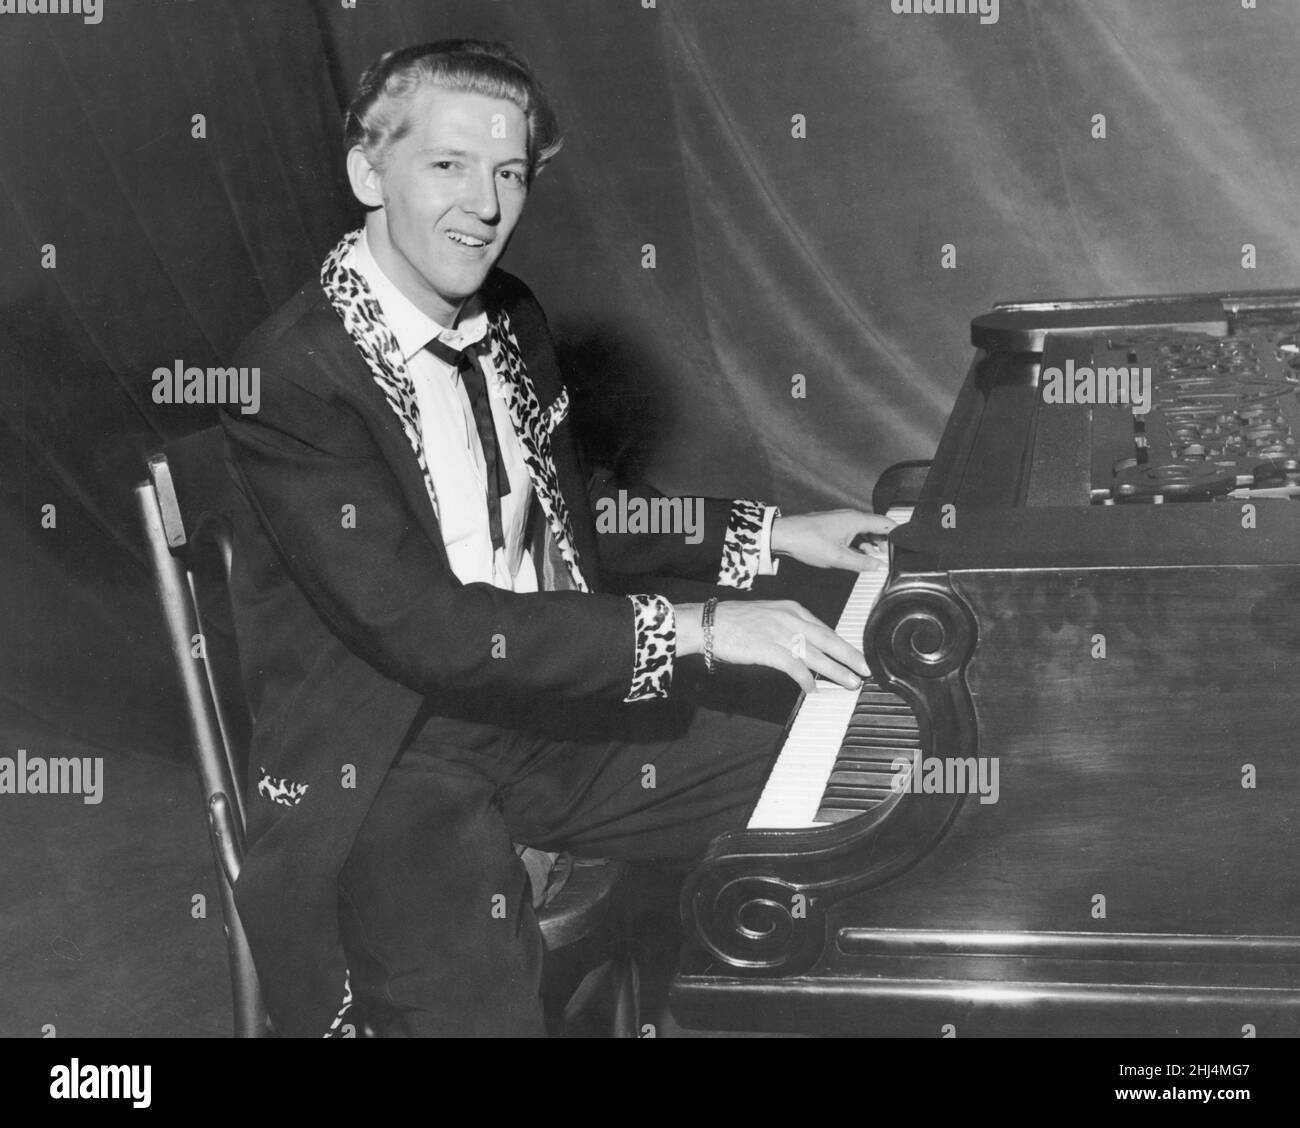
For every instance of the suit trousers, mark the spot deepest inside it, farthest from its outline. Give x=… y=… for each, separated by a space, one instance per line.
x=435 y=905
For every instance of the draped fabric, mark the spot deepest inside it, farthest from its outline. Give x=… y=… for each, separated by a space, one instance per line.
x=741 y=247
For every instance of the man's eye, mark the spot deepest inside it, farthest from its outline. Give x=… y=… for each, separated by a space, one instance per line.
x=444 y=166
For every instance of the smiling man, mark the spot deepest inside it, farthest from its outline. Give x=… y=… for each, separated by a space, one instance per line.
x=434 y=669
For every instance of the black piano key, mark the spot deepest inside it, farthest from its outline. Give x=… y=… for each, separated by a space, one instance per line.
x=883 y=746
x=834 y=815
x=877 y=780
x=858 y=803
x=867 y=764
x=872 y=698
x=882 y=720
x=903 y=721
x=893 y=725
x=885 y=720
x=881 y=731
x=851 y=790
x=861 y=767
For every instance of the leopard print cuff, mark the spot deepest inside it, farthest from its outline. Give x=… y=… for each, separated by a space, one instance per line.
x=740 y=546
x=282 y=791
x=656 y=647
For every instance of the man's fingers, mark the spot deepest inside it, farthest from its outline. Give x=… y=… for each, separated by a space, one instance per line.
x=797 y=669
x=834 y=647
x=846 y=655
x=832 y=670
x=827 y=653
x=869 y=558
x=788 y=637
x=876 y=523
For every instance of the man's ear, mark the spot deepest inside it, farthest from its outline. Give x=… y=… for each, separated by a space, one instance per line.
x=366 y=180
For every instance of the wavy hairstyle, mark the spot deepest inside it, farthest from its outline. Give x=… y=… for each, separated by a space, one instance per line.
x=376 y=116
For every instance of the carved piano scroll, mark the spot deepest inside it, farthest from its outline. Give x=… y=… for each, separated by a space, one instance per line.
x=758 y=901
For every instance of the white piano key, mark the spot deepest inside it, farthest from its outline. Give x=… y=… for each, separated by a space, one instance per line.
x=794 y=788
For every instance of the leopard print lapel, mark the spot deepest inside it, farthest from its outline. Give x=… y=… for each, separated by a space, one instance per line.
x=534 y=426
x=364 y=321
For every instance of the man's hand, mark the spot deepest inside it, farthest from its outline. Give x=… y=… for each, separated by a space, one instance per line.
x=824 y=540
x=779 y=634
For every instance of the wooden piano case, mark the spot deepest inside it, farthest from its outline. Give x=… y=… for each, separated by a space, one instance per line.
x=1105 y=605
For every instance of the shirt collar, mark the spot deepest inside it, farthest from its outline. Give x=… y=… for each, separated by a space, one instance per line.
x=411 y=326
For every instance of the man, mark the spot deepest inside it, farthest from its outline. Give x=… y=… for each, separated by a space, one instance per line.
x=433 y=670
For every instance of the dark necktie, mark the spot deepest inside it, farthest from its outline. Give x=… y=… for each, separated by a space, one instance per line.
x=465 y=361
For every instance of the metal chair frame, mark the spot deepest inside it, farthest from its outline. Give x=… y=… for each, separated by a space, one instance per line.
x=223 y=799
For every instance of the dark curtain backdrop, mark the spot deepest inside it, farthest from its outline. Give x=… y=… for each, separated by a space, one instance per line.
x=775 y=255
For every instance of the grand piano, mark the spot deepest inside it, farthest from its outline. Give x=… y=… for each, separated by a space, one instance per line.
x=1068 y=803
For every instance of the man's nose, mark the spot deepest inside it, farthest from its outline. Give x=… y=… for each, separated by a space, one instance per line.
x=480 y=198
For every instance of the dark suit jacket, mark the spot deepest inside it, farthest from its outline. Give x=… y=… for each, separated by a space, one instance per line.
x=351 y=622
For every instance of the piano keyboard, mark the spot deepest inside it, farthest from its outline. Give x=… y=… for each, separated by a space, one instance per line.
x=837 y=760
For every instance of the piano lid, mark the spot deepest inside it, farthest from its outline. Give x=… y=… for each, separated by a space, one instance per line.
x=1113 y=404
x=1021 y=326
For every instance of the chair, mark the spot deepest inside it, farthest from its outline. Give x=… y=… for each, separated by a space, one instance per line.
x=184 y=508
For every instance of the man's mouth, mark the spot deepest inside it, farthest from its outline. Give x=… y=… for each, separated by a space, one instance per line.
x=466 y=240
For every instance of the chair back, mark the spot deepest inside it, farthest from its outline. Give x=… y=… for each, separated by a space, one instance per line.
x=185 y=506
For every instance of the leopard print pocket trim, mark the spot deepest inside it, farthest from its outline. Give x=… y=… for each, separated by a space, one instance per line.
x=656 y=646
x=740 y=555
x=336 y=1027
x=283 y=791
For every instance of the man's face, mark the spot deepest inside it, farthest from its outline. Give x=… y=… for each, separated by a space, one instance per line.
x=451 y=192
